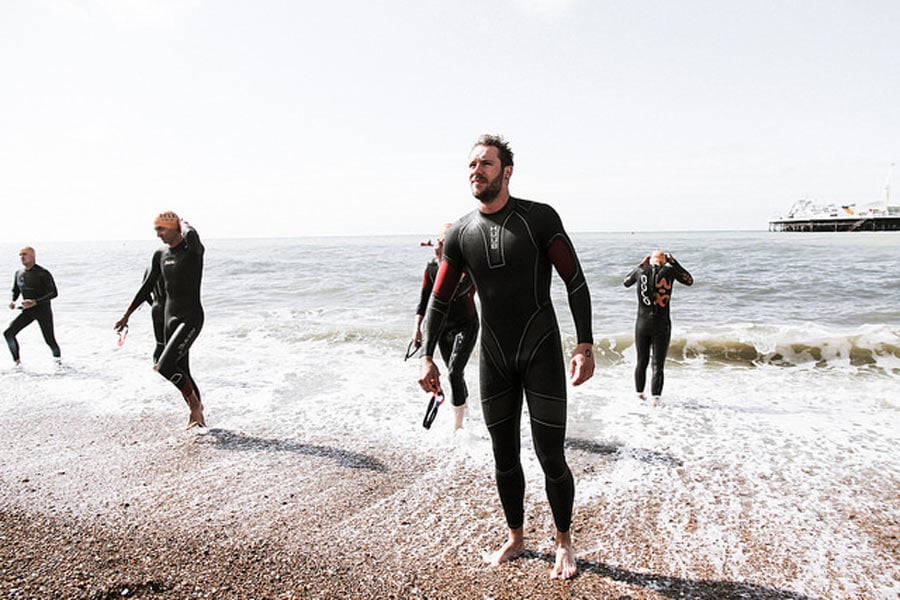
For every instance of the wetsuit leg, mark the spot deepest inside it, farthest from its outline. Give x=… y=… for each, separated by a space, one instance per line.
x=44 y=316
x=461 y=350
x=544 y=386
x=660 y=350
x=157 y=313
x=501 y=404
x=18 y=324
x=173 y=364
x=642 y=340
x=545 y=391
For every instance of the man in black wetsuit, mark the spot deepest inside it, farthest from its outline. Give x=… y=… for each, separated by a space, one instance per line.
x=657 y=275
x=180 y=266
x=508 y=247
x=36 y=286
x=457 y=338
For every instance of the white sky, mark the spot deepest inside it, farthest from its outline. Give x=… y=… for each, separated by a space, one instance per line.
x=266 y=118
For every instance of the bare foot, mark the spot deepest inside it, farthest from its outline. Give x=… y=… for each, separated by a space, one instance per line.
x=196 y=419
x=513 y=548
x=565 y=567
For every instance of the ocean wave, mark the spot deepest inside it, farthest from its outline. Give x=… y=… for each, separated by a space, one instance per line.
x=867 y=347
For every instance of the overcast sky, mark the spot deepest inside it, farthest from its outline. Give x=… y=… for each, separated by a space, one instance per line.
x=261 y=118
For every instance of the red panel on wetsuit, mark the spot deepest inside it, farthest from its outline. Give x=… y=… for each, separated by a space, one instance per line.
x=446 y=281
x=562 y=258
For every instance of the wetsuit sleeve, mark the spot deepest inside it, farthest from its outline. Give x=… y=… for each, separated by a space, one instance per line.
x=143 y=294
x=565 y=261
x=149 y=299
x=444 y=288
x=427 y=286
x=15 y=288
x=449 y=273
x=681 y=273
x=193 y=240
x=632 y=277
x=48 y=287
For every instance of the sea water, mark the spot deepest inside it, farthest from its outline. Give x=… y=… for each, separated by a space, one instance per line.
x=780 y=405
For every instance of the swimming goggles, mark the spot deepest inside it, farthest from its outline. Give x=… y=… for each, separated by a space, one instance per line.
x=412 y=348
x=123 y=333
x=431 y=412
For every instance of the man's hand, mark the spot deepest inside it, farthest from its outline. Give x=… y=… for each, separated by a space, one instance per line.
x=429 y=376
x=121 y=324
x=581 y=367
x=28 y=303
x=12 y=306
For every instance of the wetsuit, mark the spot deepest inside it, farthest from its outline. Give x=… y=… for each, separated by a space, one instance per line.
x=35 y=284
x=157 y=302
x=457 y=338
x=181 y=270
x=508 y=256
x=653 y=327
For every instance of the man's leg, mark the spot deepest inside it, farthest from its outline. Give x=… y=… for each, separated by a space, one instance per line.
x=174 y=365
x=501 y=404
x=660 y=350
x=545 y=391
x=17 y=325
x=463 y=343
x=45 y=320
x=642 y=350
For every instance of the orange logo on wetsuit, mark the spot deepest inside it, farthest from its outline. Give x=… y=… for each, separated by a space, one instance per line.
x=663 y=287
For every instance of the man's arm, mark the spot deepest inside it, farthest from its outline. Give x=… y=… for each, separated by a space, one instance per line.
x=193 y=238
x=15 y=291
x=49 y=288
x=632 y=277
x=565 y=261
x=444 y=287
x=424 y=295
x=680 y=272
x=143 y=294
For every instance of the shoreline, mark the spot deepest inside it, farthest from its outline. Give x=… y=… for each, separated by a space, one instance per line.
x=111 y=506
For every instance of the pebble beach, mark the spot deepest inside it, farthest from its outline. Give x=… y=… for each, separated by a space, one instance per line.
x=105 y=507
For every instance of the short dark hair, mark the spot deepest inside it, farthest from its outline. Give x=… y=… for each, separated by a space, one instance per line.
x=502 y=146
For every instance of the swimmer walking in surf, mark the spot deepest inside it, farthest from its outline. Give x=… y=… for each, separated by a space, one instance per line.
x=35 y=285
x=180 y=267
x=509 y=247
x=657 y=275
x=457 y=338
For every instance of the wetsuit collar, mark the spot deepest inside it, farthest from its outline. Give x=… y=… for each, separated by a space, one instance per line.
x=493 y=211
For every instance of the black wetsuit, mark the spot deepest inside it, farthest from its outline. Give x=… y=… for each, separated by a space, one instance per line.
x=508 y=256
x=157 y=302
x=457 y=338
x=653 y=327
x=35 y=284
x=181 y=270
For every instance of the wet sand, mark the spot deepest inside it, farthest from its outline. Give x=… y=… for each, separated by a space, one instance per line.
x=105 y=506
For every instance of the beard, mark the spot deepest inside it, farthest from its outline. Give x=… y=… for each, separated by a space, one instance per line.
x=489 y=193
